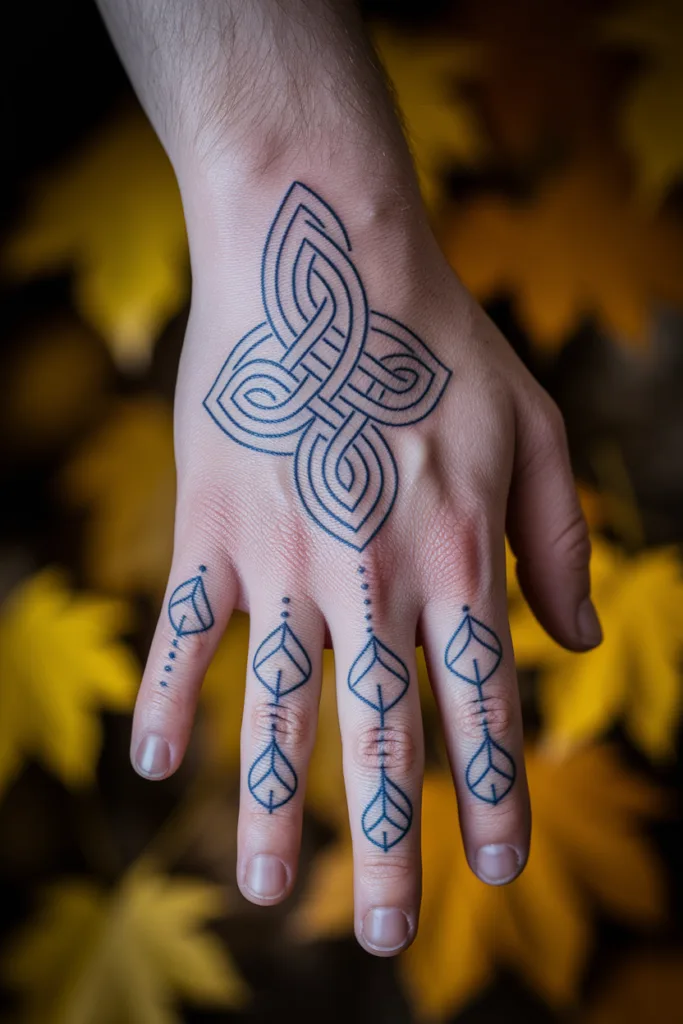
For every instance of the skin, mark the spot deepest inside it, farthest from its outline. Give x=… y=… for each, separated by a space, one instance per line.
x=247 y=99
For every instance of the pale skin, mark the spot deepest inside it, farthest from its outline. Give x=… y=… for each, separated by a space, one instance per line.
x=248 y=98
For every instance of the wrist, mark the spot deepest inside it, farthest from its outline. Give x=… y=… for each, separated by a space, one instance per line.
x=229 y=213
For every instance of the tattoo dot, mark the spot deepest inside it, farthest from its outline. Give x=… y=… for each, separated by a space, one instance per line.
x=361 y=568
x=465 y=607
x=284 y=615
x=368 y=617
x=364 y=586
x=168 y=668
x=162 y=682
x=367 y=601
x=202 y=568
x=369 y=629
x=171 y=655
x=285 y=600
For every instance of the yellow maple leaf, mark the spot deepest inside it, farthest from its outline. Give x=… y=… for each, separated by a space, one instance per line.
x=650 y=119
x=125 y=957
x=54 y=384
x=124 y=474
x=441 y=128
x=587 y=851
x=581 y=247
x=634 y=677
x=59 y=662
x=112 y=213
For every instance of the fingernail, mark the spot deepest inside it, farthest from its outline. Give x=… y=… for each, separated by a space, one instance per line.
x=266 y=876
x=497 y=863
x=153 y=757
x=588 y=623
x=386 y=928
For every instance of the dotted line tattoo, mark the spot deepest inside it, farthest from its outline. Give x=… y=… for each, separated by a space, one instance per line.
x=282 y=665
x=189 y=612
x=379 y=678
x=473 y=654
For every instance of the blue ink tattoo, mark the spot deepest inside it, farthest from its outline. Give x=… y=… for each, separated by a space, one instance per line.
x=473 y=654
x=282 y=665
x=380 y=679
x=189 y=612
x=320 y=376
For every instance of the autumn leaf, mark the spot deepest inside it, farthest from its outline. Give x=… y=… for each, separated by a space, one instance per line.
x=644 y=987
x=587 y=852
x=111 y=214
x=54 y=384
x=60 y=661
x=581 y=247
x=124 y=475
x=650 y=120
x=634 y=678
x=125 y=957
x=441 y=128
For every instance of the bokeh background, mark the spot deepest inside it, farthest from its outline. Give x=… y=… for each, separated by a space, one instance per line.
x=549 y=140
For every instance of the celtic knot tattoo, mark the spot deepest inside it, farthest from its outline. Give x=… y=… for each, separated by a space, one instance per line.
x=321 y=376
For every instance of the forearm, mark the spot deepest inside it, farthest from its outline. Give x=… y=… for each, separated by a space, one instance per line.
x=249 y=85
x=248 y=96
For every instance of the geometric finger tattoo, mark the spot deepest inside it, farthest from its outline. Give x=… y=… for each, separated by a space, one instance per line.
x=380 y=679
x=473 y=654
x=189 y=612
x=281 y=664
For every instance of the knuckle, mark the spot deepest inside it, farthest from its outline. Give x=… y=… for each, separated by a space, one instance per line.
x=165 y=702
x=497 y=710
x=386 y=867
x=554 y=431
x=392 y=747
x=291 y=723
x=208 y=511
x=462 y=558
x=573 y=543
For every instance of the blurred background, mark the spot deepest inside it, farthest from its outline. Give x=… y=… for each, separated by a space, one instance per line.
x=549 y=140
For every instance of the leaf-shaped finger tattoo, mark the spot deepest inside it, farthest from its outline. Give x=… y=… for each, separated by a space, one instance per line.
x=281 y=664
x=189 y=612
x=473 y=654
x=380 y=679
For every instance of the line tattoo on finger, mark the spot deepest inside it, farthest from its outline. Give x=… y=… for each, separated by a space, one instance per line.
x=323 y=374
x=379 y=678
x=473 y=654
x=281 y=664
x=189 y=612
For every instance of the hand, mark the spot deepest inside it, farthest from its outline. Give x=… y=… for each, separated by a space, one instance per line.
x=352 y=435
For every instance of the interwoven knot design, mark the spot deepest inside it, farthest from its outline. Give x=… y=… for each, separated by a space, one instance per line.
x=322 y=374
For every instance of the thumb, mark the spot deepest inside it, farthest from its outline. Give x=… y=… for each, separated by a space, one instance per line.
x=547 y=530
